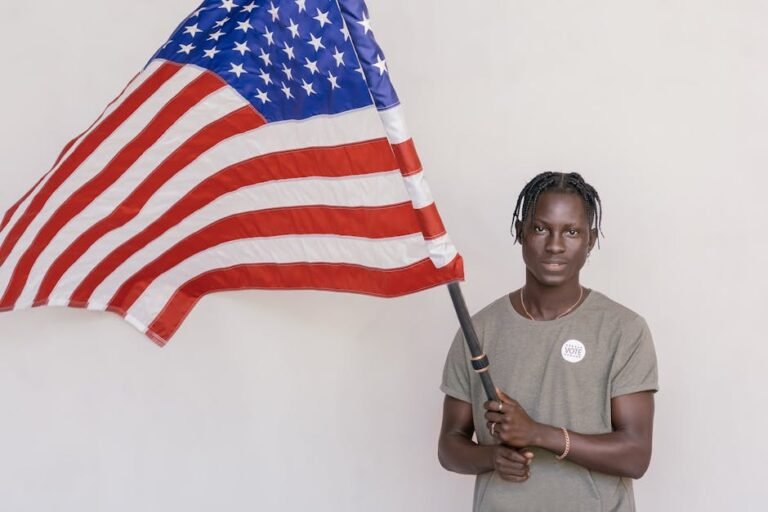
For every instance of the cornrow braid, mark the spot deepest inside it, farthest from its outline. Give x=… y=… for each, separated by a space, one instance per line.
x=571 y=183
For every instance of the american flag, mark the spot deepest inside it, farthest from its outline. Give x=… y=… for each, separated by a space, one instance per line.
x=263 y=146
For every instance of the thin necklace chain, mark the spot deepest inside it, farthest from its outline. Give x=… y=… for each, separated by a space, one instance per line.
x=522 y=301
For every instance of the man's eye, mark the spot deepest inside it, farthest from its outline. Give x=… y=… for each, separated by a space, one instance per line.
x=573 y=232
x=538 y=229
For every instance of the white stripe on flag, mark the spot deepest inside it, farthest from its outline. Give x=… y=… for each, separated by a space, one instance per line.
x=388 y=253
x=97 y=161
x=394 y=123
x=368 y=190
x=320 y=131
x=217 y=105
x=441 y=251
x=418 y=190
x=132 y=86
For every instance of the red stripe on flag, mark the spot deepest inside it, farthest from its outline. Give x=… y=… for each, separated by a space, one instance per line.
x=348 y=160
x=69 y=144
x=407 y=158
x=331 y=277
x=239 y=121
x=188 y=97
x=430 y=222
x=84 y=150
x=13 y=208
x=409 y=163
x=379 y=222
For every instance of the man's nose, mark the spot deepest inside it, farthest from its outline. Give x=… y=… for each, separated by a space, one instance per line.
x=555 y=244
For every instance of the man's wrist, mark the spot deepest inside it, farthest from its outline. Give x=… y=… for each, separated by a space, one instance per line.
x=489 y=457
x=548 y=437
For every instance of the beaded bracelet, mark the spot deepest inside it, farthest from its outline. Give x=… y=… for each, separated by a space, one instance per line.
x=567 y=445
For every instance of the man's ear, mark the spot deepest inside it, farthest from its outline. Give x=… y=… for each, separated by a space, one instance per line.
x=592 y=238
x=519 y=230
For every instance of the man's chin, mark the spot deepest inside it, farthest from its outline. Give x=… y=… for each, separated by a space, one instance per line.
x=552 y=281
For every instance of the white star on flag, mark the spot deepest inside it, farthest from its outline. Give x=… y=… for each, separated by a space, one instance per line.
x=288 y=72
x=322 y=18
x=242 y=47
x=294 y=28
x=316 y=42
x=186 y=48
x=262 y=96
x=311 y=65
x=245 y=26
x=237 y=69
x=366 y=23
x=333 y=80
x=214 y=36
x=270 y=37
x=289 y=51
x=339 y=56
x=211 y=53
x=251 y=6
x=228 y=5
x=192 y=30
x=302 y=5
x=287 y=91
x=308 y=87
x=265 y=57
x=274 y=11
x=265 y=77
x=381 y=64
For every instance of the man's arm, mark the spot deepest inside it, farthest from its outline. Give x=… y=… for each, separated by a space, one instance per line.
x=457 y=451
x=624 y=452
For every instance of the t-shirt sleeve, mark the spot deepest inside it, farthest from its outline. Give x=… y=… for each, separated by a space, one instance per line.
x=456 y=381
x=634 y=366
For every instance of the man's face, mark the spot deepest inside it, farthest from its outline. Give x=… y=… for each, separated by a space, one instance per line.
x=556 y=238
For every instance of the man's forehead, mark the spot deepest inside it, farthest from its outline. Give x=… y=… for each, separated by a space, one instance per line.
x=555 y=207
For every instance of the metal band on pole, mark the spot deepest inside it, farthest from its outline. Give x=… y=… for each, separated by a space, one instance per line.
x=479 y=361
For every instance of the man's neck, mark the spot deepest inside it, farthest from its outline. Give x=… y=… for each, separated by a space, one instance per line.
x=547 y=302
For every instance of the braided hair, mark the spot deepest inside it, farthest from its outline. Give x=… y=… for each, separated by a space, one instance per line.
x=569 y=183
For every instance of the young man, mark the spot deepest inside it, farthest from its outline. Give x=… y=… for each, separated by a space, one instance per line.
x=576 y=372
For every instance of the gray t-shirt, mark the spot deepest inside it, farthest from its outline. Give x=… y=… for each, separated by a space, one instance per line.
x=564 y=373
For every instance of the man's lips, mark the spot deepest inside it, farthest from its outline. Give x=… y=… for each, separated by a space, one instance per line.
x=554 y=265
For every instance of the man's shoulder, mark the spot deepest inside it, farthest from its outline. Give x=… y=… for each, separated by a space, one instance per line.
x=494 y=310
x=616 y=310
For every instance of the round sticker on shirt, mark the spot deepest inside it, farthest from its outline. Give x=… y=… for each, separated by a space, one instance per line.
x=573 y=351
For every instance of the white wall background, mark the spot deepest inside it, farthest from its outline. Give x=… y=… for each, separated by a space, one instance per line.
x=317 y=401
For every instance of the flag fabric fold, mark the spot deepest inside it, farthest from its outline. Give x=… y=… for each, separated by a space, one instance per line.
x=263 y=146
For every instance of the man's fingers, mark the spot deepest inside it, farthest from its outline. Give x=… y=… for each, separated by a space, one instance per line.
x=513 y=468
x=493 y=405
x=503 y=396
x=528 y=456
x=512 y=455
x=494 y=417
x=513 y=478
x=511 y=464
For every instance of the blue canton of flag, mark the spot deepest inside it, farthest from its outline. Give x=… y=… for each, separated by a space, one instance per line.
x=291 y=59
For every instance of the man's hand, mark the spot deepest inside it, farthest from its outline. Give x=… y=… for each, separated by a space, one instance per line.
x=512 y=465
x=508 y=422
x=458 y=452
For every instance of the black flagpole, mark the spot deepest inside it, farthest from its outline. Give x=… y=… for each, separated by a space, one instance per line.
x=479 y=360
